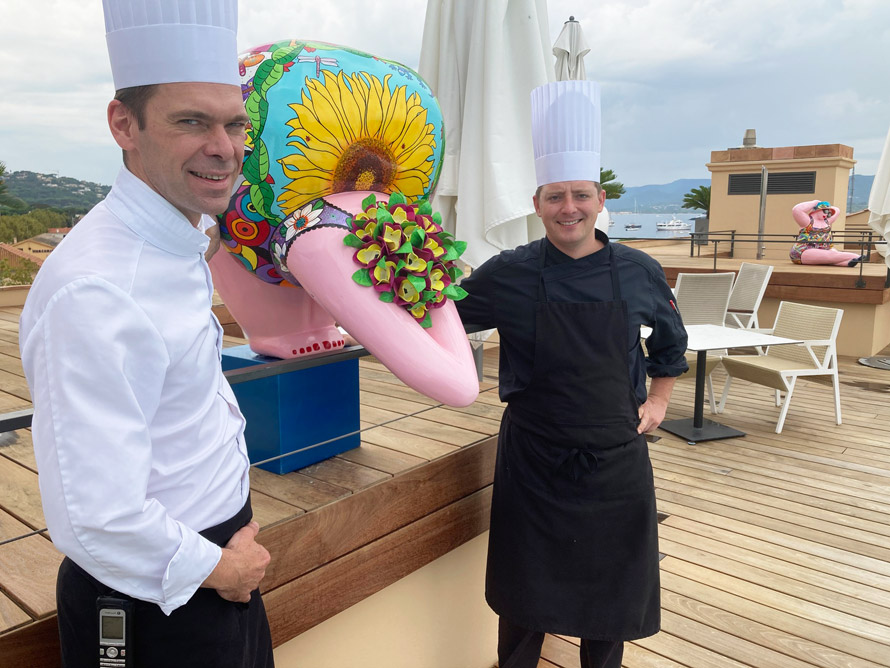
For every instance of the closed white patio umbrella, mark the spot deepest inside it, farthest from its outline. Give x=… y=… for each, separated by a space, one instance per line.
x=570 y=48
x=879 y=221
x=482 y=60
x=879 y=201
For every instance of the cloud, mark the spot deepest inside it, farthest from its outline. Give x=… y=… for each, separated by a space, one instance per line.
x=385 y=28
x=683 y=78
x=52 y=46
x=680 y=78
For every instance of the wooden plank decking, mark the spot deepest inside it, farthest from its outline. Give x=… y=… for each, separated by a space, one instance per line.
x=339 y=530
x=776 y=546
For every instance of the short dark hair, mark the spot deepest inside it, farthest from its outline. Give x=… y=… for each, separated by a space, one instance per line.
x=136 y=99
x=599 y=189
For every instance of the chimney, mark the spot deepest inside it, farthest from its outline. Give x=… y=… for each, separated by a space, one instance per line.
x=750 y=140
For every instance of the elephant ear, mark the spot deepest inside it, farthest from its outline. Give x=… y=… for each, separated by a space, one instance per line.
x=436 y=360
x=364 y=127
x=325 y=119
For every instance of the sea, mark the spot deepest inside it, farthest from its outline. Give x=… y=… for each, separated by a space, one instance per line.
x=647 y=222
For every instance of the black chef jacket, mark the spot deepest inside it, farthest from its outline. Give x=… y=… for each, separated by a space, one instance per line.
x=502 y=295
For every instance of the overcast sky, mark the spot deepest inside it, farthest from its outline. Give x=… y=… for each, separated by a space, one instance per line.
x=680 y=78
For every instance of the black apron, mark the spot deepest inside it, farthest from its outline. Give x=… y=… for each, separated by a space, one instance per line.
x=573 y=547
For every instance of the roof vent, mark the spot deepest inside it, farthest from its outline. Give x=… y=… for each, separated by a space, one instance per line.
x=750 y=140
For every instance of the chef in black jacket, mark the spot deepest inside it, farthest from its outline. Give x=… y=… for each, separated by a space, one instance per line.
x=573 y=547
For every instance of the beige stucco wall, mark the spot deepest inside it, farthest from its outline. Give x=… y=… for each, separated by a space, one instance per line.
x=434 y=618
x=34 y=248
x=14 y=295
x=858 y=219
x=742 y=212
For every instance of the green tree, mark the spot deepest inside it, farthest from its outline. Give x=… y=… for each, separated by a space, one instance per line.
x=24 y=226
x=3 y=193
x=698 y=198
x=9 y=203
x=48 y=218
x=17 y=273
x=614 y=189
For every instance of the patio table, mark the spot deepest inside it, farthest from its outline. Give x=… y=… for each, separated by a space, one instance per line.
x=703 y=338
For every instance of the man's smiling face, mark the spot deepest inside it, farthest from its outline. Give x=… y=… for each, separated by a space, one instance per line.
x=569 y=210
x=191 y=146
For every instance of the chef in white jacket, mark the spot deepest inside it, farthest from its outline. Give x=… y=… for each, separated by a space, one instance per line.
x=138 y=437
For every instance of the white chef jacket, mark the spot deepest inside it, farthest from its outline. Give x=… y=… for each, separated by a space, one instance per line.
x=138 y=436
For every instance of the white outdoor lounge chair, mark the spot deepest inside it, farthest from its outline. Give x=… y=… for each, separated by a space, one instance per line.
x=781 y=366
x=702 y=300
x=747 y=293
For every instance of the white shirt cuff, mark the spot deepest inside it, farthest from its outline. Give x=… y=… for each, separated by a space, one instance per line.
x=193 y=562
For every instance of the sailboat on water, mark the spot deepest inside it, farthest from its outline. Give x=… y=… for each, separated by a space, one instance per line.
x=634 y=225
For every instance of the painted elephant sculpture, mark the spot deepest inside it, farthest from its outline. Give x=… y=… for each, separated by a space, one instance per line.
x=309 y=249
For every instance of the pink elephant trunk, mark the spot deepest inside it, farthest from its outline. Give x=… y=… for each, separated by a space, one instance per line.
x=436 y=361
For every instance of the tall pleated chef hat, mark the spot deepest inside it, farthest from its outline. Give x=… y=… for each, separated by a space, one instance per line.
x=566 y=131
x=168 y=41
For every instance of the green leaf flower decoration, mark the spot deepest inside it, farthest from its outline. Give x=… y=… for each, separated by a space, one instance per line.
x=405 y=254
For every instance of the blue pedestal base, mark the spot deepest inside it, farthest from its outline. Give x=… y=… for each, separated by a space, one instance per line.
x=295 y=412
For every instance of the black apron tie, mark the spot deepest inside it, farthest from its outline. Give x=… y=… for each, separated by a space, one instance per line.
x=577 y=459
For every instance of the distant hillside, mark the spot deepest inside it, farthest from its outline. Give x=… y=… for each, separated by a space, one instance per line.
x=860 y=186
x=665 y=198
x=668 y=197
x=63 y=191
x=55 y=191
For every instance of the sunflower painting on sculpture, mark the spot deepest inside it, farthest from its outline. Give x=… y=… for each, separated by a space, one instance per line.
x=358 y=132
x=324 y=119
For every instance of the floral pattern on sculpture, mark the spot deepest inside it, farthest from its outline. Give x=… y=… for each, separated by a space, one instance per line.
x=405 y=255
x=245 y=233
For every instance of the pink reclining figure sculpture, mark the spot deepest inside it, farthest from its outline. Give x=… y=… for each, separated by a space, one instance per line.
x=814 y=242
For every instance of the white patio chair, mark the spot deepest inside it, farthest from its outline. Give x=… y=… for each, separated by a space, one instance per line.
x=702 y=300
x=747 y=293
x=781 y=366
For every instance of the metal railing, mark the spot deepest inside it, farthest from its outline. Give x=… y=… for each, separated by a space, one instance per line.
x=866 y=241
x=22 y=419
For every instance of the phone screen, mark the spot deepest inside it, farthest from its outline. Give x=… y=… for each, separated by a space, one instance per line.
x=112 y=628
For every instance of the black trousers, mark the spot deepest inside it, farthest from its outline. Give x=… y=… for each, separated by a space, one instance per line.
x=208 y=631
x=521 y=648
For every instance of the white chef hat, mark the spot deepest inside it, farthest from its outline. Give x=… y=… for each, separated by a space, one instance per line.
x=167 y=41
x=566 y=131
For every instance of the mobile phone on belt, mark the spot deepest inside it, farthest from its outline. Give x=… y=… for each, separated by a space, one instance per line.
x=115 y=631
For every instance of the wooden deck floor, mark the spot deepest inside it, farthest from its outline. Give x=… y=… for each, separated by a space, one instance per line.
x=776 y=547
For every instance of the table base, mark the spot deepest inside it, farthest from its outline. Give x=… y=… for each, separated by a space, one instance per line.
x=709 y=431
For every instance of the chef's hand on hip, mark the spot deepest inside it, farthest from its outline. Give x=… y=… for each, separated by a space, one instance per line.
x=241 y=567
x=651 y=413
